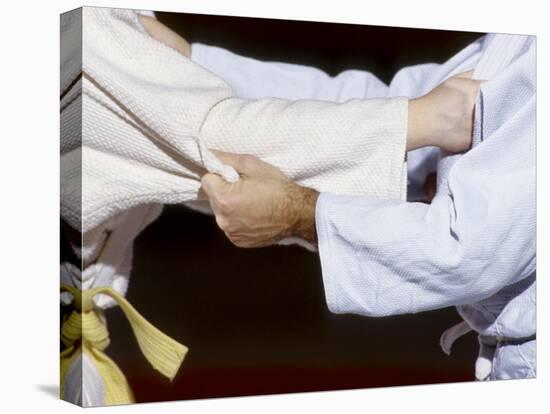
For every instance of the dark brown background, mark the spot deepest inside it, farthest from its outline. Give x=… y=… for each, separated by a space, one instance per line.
x=256 y=321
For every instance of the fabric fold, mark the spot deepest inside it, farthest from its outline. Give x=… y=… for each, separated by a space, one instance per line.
x=137 y=121
x=157 y=112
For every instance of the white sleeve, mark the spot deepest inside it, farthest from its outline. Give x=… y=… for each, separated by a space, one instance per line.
x=253 y=79
x=384 y=257
x=357 y=147
x=150 y=116
x=364 y=134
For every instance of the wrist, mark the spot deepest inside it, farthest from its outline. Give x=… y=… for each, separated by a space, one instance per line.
x=418 y=125
x=303 y=202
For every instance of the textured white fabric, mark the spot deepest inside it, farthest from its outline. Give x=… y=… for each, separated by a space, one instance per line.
x=476 y=238
x=253 y=79
x=83 y=384
x=148 y=114
x=72 y=388
x=108 y=262
x=137 y=119
x=474 y=243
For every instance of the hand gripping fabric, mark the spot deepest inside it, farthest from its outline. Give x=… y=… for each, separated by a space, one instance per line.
x=138 y=120
x=149 y=116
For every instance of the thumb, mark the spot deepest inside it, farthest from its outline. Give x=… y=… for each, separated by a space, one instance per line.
x=213 y=184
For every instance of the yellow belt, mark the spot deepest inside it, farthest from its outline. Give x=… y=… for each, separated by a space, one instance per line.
x=84 y=331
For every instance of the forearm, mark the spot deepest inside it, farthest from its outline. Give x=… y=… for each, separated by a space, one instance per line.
x=353 y=148
x=294 y=128
x=418 y=126
x=164 y=34
x=302 y=202
x=381 y=257
x=253 y=79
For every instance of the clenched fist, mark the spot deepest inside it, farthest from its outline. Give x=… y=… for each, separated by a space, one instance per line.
x=263 y=207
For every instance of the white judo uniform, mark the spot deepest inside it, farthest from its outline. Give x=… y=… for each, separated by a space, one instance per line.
x=474 y=246
x=137 y=121
x=137 y=125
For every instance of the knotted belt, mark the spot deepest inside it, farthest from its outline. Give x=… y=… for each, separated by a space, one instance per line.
x=84 y=331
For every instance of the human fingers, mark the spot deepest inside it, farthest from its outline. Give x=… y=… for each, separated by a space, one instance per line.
x=213 y=184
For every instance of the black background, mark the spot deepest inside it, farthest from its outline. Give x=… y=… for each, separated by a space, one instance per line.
x=256 y=321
